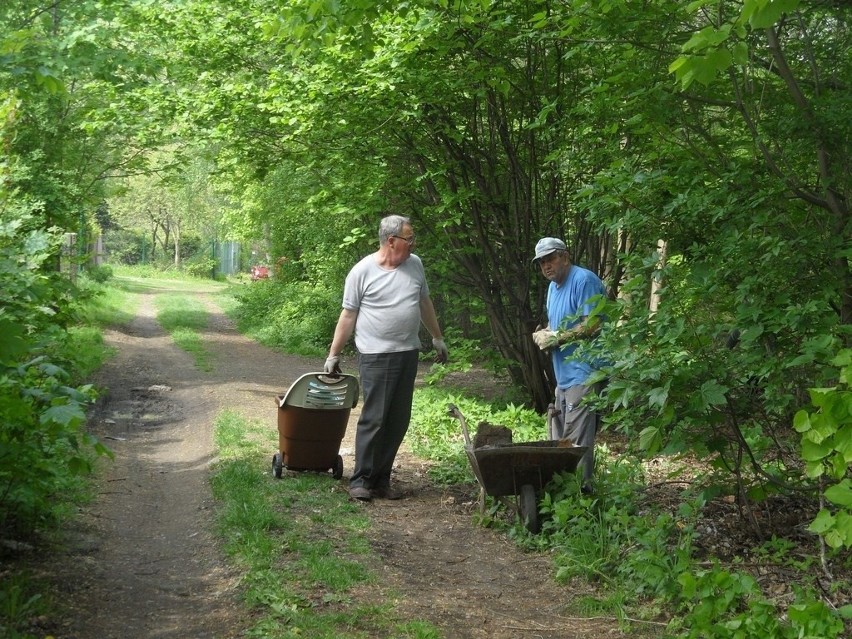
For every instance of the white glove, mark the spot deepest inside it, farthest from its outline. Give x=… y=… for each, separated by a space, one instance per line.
x=441 y=352
x=545 y=339
x=332 y=365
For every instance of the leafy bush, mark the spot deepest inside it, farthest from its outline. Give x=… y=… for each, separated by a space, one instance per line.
x=721 y=375
x=99 y=273
x=43 y=450
x=200 y=265
x=298 y=317
x=719 y=604
x=126 y=246
x=608 y=538
x=827 y=450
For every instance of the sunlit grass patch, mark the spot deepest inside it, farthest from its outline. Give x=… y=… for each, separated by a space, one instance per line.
x=110 y=304
x=191 y=342
x=183 y=317
x=180 y=311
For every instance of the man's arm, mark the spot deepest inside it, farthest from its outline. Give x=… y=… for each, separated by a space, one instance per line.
x=430 y=321
x=586 y=328
x=343 y=331
x=430 y=318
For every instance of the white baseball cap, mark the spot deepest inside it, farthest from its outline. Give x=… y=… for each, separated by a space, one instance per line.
x=547 y=245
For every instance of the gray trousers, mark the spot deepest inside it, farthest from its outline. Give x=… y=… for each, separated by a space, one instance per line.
x=579 y=424
x=387 y=382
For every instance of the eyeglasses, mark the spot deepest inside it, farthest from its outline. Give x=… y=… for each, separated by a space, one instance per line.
x=409 y=240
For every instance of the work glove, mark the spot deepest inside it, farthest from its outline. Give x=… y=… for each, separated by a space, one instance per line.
x=545 y=339
x=332 y=365
x=441 y=352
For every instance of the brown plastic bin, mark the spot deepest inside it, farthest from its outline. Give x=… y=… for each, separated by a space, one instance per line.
x=312 y=420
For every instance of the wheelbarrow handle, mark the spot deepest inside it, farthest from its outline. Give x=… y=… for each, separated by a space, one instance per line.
x=453 y=410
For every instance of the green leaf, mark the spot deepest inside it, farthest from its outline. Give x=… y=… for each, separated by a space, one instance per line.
x=64 y=414
x=822 y=523
x=678 y=63
x=840 y=494
x=658 y=396
x=843 y=525
x=821 y=428
x=766 y=14
x=837 y=467
x=814 y=469
x=820 y=395
x=740 y=53
x=834 y=538
x=713 y=393
x=802 y=421
x=650 y=439
x=720 y=59
x=843 y=443
x=813 y=451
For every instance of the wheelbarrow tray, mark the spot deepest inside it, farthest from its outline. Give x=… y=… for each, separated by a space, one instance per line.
x=502 y=469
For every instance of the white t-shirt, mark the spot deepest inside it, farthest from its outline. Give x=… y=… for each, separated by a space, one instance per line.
x=388 y=304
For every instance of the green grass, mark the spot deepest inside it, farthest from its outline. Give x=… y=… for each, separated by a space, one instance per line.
x=302 y=546
x=183 y=317
x=111 y=304
x=157 y=272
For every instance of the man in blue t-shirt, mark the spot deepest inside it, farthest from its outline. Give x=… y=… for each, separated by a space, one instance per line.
x=570 y=302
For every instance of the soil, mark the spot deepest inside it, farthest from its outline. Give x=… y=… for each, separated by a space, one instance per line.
x=142 y=560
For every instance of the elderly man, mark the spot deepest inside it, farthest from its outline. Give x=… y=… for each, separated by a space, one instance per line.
x=569 y=306
x=385 y=298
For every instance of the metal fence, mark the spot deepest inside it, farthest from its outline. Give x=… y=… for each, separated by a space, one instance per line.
x=227 y=256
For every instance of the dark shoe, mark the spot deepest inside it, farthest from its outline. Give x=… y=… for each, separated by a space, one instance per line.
x=360 y=493
x=386 y=492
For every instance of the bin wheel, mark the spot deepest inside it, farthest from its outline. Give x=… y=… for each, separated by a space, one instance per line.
x=529 y=508
x=337 y=471
x=277 y=466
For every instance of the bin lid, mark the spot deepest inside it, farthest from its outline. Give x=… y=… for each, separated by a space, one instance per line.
x=321 y=391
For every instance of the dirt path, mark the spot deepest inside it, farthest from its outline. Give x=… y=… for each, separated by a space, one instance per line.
x=144 y=564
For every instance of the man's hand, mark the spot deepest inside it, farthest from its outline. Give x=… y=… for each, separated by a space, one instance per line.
x=332 y=365
x=545 y=339
x=441 y=352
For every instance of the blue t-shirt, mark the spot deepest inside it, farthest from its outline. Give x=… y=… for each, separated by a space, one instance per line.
x=567 y=305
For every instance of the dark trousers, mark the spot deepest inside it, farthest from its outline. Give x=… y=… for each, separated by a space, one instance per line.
x=387 y=382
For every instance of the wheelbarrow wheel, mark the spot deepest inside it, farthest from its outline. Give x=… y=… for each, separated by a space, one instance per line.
x=337 y=471
x=528 y=505
x=277 y=466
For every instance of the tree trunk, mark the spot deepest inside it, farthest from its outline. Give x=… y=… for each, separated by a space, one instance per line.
x=657 y=279
x=176 y=236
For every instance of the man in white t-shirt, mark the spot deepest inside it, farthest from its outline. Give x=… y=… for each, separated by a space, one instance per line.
x=385 y=298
